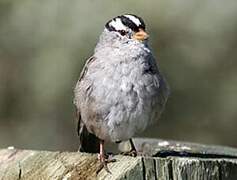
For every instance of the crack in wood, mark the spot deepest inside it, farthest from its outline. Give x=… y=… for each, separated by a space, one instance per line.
x=167 y=153
x=155 y=169
x=20 y=172
x=170 y=169
x=219 y=171
x=143 y=169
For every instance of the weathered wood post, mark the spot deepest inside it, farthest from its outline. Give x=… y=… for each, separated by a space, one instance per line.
x=162 y=160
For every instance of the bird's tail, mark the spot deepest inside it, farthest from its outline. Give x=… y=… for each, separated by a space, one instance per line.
x=88 y=142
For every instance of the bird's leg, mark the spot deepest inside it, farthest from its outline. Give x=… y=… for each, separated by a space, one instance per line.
x=133 y=151
x=133 y=148
x=103 y=158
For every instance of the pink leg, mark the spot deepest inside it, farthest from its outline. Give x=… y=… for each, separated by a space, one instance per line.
x=103 y=158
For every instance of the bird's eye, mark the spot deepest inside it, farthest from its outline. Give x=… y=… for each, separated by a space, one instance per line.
x=122 y=32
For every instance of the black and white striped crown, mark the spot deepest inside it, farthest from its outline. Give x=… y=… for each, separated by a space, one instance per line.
x=121 y=23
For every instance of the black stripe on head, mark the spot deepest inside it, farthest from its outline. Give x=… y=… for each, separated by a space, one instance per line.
x=141 y=22
x=129 y=20
x=129 y=23
x=109 y=27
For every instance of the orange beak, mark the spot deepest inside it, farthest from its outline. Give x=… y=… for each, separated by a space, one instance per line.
x=141 y=35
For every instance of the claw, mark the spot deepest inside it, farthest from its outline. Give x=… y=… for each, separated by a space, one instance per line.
x=132 y=152
x=103 y=165
x=104 y=159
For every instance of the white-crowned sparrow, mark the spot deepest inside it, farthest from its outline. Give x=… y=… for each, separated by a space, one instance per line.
x=120 y=90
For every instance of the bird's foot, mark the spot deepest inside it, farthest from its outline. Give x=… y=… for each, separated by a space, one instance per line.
x=132 y=153
x=104 y=160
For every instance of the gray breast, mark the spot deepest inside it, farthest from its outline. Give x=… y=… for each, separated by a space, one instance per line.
x=121 y=95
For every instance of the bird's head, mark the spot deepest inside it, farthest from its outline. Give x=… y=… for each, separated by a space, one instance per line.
x=127 y=27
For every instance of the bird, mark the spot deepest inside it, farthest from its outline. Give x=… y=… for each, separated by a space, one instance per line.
x=120 y=91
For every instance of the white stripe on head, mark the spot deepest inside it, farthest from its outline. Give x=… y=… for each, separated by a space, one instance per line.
x=134 y=19
x=117 y=24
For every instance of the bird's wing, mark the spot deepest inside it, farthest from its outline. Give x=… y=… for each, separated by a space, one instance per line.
x=163 y=85
x=85 y=68
x=88 y=142
x=82 y=74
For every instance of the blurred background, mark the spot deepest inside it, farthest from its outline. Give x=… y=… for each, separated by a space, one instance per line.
x=44 y=44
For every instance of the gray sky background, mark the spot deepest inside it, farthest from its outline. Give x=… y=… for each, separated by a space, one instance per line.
x=44 y=44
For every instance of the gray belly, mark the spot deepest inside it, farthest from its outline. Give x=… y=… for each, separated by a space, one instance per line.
x=126 y=104
x=119 y=98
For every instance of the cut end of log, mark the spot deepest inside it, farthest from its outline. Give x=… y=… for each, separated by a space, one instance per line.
x=165 y=161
